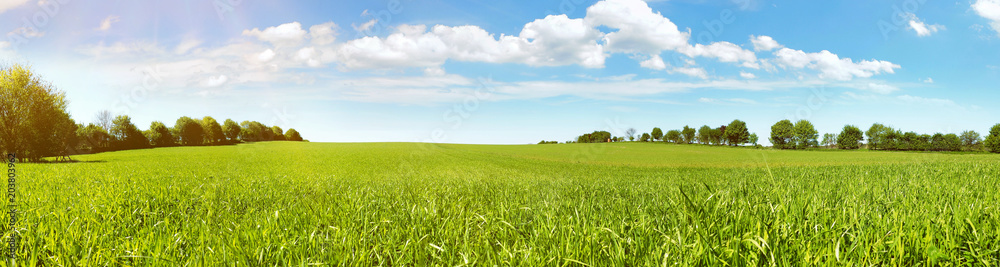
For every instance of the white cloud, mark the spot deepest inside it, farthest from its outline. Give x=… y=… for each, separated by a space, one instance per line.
x=556 y=40
x=832 y=66
x=186 y=45
x=266 y=56
x=724 y=52
x=928 y=80
x=640 y=30
x=288 y=34
x=559 y=40
x=881 y=88
x=691 y=71
x=309 y=56
x=10 y=4
x=323 y=34
x=215 y=81
x=27 y=32
x=921 y=28
x=654 y=62
x=365 y=26
x=764 y=43
x=792 y=58
x=989 y=9
x=747 y=75
x=552 y=41
x=434 y=71
x=106 y=23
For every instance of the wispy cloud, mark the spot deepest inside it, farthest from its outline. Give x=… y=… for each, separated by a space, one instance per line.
x=107 y=22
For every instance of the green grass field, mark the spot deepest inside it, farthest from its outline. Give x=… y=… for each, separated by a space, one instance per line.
x=617 y=204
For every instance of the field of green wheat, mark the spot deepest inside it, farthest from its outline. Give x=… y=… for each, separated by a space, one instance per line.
x=616 y=204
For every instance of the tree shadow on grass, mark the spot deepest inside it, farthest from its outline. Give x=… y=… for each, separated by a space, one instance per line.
x=65 y=161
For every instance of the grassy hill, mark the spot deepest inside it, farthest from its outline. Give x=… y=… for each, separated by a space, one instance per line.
x=290 y=203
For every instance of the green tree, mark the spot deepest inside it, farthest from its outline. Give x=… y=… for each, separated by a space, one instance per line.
x=159 y=135
x=971 y=140
x=33 y=118
x=293 y=135
x=673 y=136
x=704 y=134
x=124 y=134
x=231 y=130
x=595 y=137
x=688 y=134
x=829 y=140
x=93 y=138
x=657 y=133
x=782 y=134
x=877 y=136
x=736 y=133
x=850 y=137
x=993 y=140
x=279 y=134
x=189 y=132
x=644 y=138
x=253 y=131
x=805 y=135
x=951 y=142
x=213 y=131
x=754 y=139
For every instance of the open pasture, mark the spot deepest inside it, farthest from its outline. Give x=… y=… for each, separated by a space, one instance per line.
x=634 y=204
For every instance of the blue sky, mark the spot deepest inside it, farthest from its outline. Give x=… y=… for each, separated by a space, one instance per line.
x=517 y=72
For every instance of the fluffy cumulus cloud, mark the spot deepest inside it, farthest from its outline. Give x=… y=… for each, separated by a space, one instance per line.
x=287 y=34
x=640 y=30
x=266 y=56
x=553 y=41
x=654 y=62
x=989 y=9
x=764 y=43
x=724 y=52
x=275 y=54
x=609 y=26
x=323 y=34
x=831 y=66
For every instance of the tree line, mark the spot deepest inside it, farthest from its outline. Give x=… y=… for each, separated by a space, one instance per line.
x=734 y=134
x=121 y=134
x=34 y=124
x=803 y=135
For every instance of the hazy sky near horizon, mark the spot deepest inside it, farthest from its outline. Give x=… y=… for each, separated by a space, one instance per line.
x=517 y=72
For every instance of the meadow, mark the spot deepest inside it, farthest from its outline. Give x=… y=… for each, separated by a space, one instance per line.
x=614 y=204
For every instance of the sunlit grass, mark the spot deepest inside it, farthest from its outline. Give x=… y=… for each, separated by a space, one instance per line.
x=286 y=203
